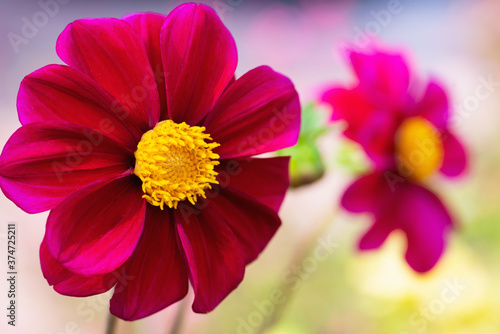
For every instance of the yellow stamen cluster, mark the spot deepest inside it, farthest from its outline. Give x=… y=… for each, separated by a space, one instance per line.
x=419 y=148
x=175 y=162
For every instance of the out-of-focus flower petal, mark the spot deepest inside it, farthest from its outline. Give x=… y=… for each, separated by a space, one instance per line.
x=61 y=93
x=368 y=126
x=264 y=179
x=455 y=157
x=426 y=223
x=95 y=230
x=199 y=58
x=156 y=274
x=434 y=106
x=44 y=162
x=408 y=207
x=383 y=78
x=215 y=258
x=259 y=113
x=148 y=25
x=252 y=223
x=112 y=53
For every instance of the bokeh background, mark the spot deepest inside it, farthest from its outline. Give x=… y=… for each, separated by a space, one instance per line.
x=311 y=278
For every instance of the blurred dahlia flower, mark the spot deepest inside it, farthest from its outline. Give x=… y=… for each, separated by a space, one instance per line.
x=407 y=137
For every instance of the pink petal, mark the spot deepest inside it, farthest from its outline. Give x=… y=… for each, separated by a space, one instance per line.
x=252 y=223
x=384 y=78
x=213 y=253
x=377 y=234
x=43 y=163
x=455 y=157
x=68 y=283
x=259 y=113
x=156 y=274
x=367 y=193
x=96 y=229
x=148 y=25
x=200 y=57
x=112 y=53
x=408 y=207
x=61 y=93
x=434 y=106
x=426 y=222
x=372 y=128
x=264 y=179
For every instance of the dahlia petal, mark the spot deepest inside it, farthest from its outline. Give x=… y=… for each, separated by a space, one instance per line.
x=200 y=57
x=264 y=179
x=376 y=235
x=148 y=25
x=61 y=93
x=425 y=221
x=252 y=223
x=384 y=78
x=259 y=113
x=42 y=163
x=367 y=194
x=68 y=283
x=408 y=207
x=455 y=158
x=368 y=126
x=215 y=260
x=434 y=106
x=156 y=274
x=95 y=230
x=112 y=53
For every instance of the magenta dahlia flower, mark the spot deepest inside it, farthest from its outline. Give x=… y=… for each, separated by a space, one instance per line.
x=142 y=149
x=407 y=137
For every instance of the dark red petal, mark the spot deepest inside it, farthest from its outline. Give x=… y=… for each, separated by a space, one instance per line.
x=384 y=78
x=68 y=283
x=264 y=179
x=43 y=163
x=252 y=223
x=148 y=25
x=95 y=230
x=434 y=106
x=214 y=255
x=455 y=157
x=259 y=113
x=199 y=57
x=156 y=275
x=112 y=53
x=61 y=93
x=372 y=128
x=426 y=223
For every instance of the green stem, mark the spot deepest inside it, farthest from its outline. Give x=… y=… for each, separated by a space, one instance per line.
x=111 y=324
x=179 y=317
x=306 y=246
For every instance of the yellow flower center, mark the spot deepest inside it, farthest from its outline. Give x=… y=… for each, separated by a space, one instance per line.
x=175 y=162
x=419 y=148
